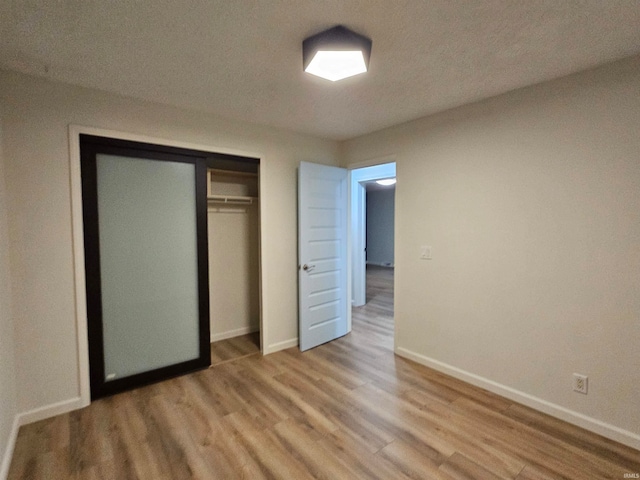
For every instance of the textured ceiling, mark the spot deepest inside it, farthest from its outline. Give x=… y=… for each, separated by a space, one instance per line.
x=242 y=59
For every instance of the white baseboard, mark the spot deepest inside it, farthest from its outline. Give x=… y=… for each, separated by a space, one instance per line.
x=8 y=452
x=216 y=337
x=588 y=423
x=378 y=264
x=52 y=410
x=32 y=416
x=276 y=347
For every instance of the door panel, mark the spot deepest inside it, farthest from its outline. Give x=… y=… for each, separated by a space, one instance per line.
x=148 y=263
x=324 y=251
x=147 y=281
x=322 y=244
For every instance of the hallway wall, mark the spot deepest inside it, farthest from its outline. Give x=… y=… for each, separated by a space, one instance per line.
x=380 y=225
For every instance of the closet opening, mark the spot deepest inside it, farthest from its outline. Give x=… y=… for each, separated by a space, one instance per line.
x=171 y=259
x=233 y=223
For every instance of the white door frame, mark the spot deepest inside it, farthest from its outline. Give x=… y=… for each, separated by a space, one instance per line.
x=377 y=169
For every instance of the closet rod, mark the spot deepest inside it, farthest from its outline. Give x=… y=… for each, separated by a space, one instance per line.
x=231 y=199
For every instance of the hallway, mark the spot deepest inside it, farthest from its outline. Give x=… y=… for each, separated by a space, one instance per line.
x=373 y=322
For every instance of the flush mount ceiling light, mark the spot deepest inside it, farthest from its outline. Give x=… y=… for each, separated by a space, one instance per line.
x=336 y=53
x=386 y=182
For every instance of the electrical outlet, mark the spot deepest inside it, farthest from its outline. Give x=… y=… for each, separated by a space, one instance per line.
x=580 y=383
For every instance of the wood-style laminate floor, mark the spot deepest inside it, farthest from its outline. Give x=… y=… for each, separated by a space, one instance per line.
x=235 y=348
x=349 y=409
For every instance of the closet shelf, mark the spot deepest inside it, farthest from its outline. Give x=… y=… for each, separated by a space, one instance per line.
x=232 y=199
x=231 y=173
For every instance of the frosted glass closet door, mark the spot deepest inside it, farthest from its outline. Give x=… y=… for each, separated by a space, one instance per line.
x=148 y=263
x=144 y=210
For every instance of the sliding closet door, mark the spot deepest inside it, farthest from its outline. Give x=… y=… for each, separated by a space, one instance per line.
x=146 y=263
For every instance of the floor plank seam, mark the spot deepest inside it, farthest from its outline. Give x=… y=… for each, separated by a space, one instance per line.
x=229 y=360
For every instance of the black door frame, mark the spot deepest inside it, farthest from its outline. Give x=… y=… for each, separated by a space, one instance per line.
x=90 y=146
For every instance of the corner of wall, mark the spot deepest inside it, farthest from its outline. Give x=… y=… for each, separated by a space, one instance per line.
x=9 y=421
x=7 y=454
x=276 y=347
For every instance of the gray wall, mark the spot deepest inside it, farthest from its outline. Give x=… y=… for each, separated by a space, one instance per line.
x=7 y=372
x=531 y=204
x=380 y=219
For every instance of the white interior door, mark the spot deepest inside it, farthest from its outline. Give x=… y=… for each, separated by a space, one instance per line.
x=322 y=253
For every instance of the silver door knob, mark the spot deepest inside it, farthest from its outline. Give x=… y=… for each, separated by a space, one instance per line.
x=306 y=267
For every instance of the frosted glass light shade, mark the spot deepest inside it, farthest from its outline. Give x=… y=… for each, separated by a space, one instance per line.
x=336 y=53
x=386 y=182
x=336 y=65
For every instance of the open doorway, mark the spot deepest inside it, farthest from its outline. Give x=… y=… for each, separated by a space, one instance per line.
x=379 y=237
x=360 y=179
x=373 y=238
x=327 y=238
